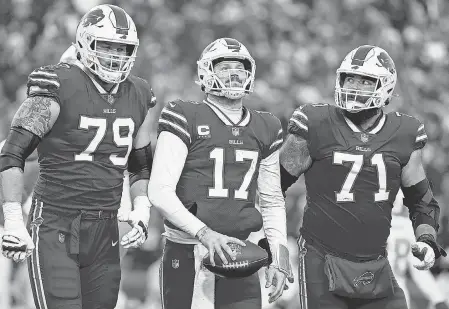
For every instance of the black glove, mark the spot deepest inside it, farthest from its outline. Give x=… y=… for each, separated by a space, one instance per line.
x=263 y=243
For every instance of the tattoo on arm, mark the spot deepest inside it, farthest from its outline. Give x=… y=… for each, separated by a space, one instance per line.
x=35 y=115
x=294 y=155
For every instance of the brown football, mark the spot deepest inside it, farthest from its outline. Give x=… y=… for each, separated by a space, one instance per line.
x=249 y=259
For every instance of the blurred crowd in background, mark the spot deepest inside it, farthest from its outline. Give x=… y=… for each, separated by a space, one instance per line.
x=297 y=44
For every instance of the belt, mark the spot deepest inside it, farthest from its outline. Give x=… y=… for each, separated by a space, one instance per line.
x=88 y=215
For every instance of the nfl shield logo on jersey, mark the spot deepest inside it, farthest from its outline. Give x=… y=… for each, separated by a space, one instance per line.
x=364 y=137
x=175 y=263
x=111 y=99
x=61 y=238
x=235 y=131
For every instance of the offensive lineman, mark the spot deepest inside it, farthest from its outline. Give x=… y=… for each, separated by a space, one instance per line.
x=89 y=121
x=355 y=158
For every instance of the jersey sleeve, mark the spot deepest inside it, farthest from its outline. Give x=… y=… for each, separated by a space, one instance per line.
x=276 y=136
x=173 y=119
x=411 y=136
x=421 y=137
x=149 y=96
x=44 y=81
x=299 y=123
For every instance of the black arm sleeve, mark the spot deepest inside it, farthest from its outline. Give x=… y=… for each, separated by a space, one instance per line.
x=140 y=162
x=19 y=144
x=424 y=209
x=287 y=179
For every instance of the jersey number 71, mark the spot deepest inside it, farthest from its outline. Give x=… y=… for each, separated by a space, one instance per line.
x=345 y=194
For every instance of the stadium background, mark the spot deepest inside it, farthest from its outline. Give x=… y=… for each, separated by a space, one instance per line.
x=297 y=45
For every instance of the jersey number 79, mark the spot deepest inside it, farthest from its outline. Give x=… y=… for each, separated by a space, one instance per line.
x=100 y=125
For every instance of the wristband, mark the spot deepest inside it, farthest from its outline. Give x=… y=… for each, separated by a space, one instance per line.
x=12 y=211
x=141 y=201
x=201 y=233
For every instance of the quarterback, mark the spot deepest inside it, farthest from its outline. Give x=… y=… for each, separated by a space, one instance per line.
x=210 y=159
x=89 y=121
x=355 y=158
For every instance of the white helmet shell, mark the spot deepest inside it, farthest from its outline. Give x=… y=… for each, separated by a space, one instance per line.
x=111 y=24
x=373 y=62
x=225 y=49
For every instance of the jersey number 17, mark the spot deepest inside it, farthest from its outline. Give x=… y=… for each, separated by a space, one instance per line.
x=218 y=155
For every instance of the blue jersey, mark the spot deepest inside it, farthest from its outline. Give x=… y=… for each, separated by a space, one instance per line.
x=354 y=177
x=219 y=180
x=83 y=158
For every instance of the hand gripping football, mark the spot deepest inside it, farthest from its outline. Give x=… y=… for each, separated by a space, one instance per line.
x=249 y=259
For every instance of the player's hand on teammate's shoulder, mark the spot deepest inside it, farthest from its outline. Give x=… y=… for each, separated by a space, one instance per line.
x=16 y=242
x=217 y=243
x=138 y=219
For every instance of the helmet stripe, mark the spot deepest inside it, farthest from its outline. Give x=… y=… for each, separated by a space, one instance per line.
x=121 y=22
x=233 y=44
x=360 y=54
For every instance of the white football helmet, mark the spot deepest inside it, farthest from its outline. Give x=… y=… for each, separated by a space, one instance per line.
x=225 y=49
x=112 y=24
x=370 y=61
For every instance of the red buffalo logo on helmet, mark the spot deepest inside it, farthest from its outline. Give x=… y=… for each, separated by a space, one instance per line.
x=93 y=18
x=386 y=62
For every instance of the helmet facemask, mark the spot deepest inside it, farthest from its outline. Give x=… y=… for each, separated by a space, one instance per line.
x=372 y=63
x=215 y=82
x=108 y=66
x=112 y=25
x=355 y=100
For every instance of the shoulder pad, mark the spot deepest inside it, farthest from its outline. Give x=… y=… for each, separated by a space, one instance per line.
x=272 y=131
x=305 y=116
x=319 y=104
x=415 y=128
x=276 y=135
x=45 y=81
x=173 y=119
x=186 y=102
x=147 y=92
x=298 y=123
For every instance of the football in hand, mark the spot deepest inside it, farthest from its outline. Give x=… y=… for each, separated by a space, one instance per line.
x=249 y=259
